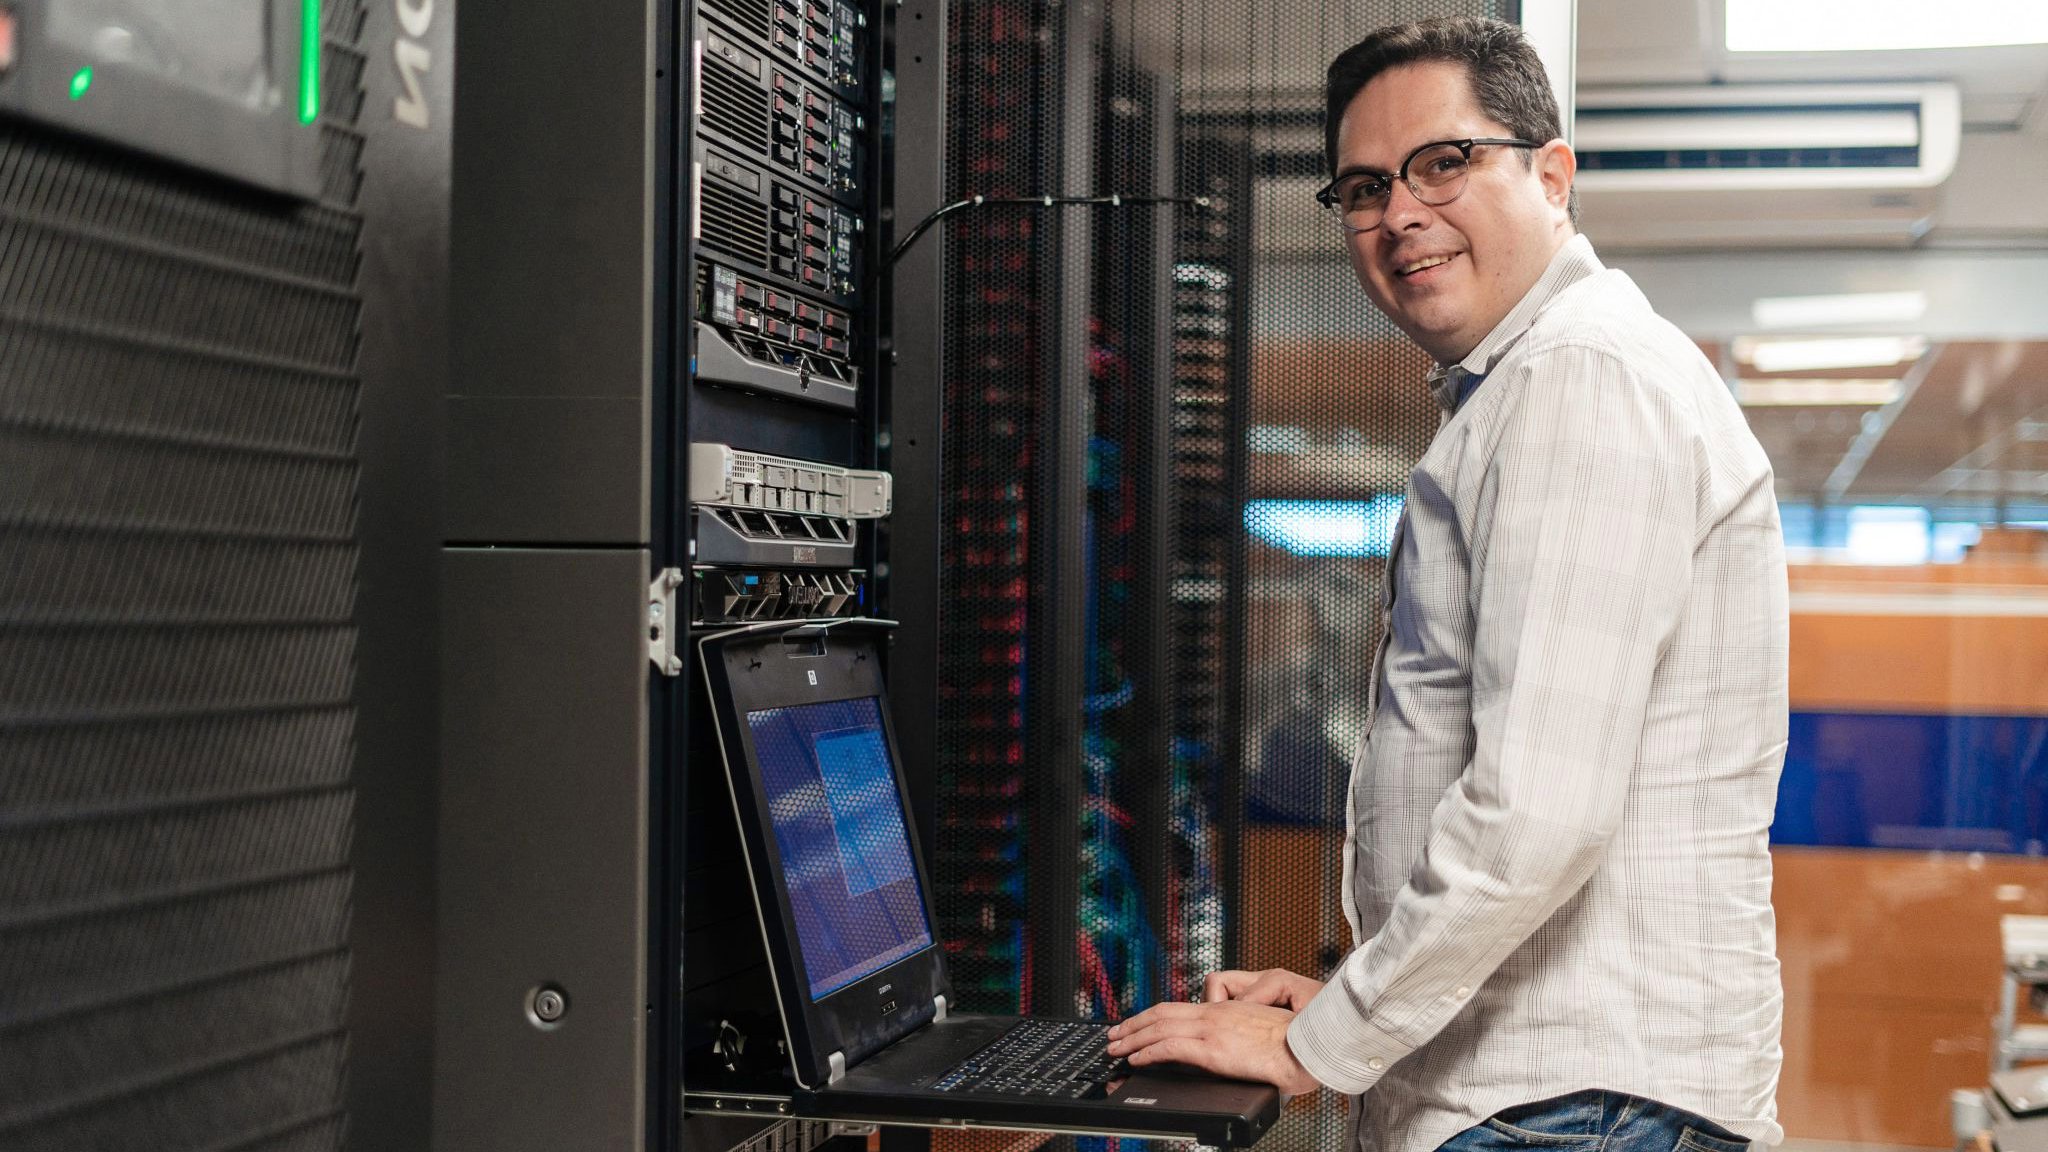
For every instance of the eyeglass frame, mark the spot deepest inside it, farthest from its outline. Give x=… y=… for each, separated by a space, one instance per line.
x=1327 y=195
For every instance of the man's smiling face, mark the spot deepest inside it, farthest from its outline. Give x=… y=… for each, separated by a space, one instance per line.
x=1446 y=275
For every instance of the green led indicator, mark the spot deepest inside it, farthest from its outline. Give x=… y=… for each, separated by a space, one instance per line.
x=80 y=81
x=309 y=61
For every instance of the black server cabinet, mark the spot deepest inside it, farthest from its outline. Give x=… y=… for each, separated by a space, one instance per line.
x=545 y=1006
x=663 y=420
x=222 y=353
x=1083 y=398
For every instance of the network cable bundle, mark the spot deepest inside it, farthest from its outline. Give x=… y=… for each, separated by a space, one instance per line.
x=1120 y=956
x=1146 y=334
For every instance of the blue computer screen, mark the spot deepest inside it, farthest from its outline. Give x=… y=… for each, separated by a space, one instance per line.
x=840 y=829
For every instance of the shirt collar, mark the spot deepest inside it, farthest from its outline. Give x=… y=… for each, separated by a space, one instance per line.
x=1450 y=383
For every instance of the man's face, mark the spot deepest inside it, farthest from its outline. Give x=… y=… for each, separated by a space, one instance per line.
x=1485 y=249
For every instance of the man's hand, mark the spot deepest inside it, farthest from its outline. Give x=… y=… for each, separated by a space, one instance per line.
x=1276 y=986
x=1234 y=1038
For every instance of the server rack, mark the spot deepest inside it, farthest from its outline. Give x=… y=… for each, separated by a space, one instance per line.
x=1128 y=521
x=706 y=192
x=666 y=311
x=1079 y=436
x=979 y=862
x=783 y=330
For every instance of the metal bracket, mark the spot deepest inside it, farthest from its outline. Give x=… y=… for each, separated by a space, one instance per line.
x=835 y=1066
x=704 y=1103
x=661 y=622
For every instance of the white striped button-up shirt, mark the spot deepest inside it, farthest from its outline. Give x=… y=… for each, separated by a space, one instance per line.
x=1556 y=846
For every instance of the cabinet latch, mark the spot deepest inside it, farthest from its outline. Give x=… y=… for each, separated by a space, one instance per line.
x=661 y=622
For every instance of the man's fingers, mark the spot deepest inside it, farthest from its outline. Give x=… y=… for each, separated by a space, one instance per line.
x=1272 y=986
x=1168 y=1050
x=1236 y=1039
x=1279 y=987
x=1225 y=985
x=1153 y=1015
x=1265 y=987
x=1155 y=1025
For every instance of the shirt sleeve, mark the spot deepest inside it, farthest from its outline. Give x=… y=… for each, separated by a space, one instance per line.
x=1580 y=535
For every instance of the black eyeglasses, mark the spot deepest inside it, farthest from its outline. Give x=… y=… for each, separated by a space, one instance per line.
x=1435 y=172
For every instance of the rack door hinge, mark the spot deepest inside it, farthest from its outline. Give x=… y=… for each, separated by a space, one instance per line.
x=661 y=622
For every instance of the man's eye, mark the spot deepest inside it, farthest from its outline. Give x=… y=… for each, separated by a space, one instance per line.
x=1445 y=165
x=1365 y=192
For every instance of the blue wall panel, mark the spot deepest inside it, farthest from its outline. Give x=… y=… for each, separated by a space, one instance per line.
x=1877 y=780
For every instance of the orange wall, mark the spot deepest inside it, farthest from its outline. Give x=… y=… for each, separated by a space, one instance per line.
x=1891 y=959
x=1891 y=964
x=1966 y=638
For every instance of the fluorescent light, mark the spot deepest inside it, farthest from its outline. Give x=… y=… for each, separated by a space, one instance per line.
x=1882 y=25
x=1754 y=393
x=1884 y=535
x=1326 y=527
x=1950 y=542
x=1828 y=311
x=1817 y=354
x=1277 y=439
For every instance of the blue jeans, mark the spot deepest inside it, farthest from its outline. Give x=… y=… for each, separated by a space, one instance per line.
x=1596 y=1121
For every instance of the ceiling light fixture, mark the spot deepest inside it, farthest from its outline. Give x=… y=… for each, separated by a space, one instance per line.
x=1882 y=25
x=1809 y=312
x=1765 y=393
x=1820 y=354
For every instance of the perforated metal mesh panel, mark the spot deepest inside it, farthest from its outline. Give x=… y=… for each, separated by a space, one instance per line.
x=1176 y=443
x=177 y=584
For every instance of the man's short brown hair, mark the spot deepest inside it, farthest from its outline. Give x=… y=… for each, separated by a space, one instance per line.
x=1506 y=75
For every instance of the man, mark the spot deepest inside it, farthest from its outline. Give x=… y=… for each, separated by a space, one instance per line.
x=1556 y=855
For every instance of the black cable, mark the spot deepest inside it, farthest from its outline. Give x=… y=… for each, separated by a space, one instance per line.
x=1113 y=201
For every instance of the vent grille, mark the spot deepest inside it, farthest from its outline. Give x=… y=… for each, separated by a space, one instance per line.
x=749 y=14
x=780 y=526
x=178 y=414
x=1747 y=159
x=734 y=106
x=734 y=224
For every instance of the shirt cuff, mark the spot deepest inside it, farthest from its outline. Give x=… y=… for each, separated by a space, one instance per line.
x=1338 y=1046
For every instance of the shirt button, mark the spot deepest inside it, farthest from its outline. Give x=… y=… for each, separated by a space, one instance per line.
x=1376 y=1064
x=1462 y=992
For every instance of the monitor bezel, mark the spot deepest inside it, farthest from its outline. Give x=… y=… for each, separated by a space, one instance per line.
x=752 y=673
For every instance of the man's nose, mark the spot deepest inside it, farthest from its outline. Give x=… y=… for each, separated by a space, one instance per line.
x=1403 y=209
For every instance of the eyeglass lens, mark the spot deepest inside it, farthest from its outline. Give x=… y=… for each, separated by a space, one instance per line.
x=1436 y=175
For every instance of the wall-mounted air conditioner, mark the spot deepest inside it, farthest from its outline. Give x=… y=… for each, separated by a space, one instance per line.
x=1758 y=165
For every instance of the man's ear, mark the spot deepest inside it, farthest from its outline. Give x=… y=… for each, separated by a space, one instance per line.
x=1556 y=166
